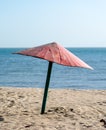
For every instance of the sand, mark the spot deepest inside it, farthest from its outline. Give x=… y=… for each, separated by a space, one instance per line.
x=66 y=109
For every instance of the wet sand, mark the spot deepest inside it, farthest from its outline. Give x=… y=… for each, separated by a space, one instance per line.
x=66 y=109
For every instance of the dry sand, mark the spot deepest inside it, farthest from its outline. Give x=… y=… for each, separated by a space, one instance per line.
x=66 y=109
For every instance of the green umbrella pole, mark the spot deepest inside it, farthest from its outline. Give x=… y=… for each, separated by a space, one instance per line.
x=46 y=87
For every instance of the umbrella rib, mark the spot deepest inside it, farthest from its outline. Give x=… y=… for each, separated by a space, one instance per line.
x=60 y=57
x=47 y=55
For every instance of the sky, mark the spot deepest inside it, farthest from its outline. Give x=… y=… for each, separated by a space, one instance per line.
x=72 y=23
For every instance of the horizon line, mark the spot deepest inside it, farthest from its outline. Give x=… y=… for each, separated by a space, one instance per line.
x=63 y=46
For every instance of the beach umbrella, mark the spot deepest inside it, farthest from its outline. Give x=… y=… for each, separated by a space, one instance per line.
x=54 y=53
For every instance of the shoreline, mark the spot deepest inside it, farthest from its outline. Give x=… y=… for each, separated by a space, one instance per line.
x=51 y=88
x=66 y=109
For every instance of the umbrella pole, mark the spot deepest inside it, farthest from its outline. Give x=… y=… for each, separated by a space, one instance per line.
x=46 y=87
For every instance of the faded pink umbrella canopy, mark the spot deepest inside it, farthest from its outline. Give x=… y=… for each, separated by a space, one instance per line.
x=54 y=52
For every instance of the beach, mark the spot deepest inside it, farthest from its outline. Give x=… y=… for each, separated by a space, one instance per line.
x=66 y=109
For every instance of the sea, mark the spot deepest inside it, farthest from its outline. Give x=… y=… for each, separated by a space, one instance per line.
x=25 y=71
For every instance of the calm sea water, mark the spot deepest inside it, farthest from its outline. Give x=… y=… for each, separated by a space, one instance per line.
x=25 y=71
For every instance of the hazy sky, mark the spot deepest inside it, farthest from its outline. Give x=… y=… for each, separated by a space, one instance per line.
x=72 y=23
